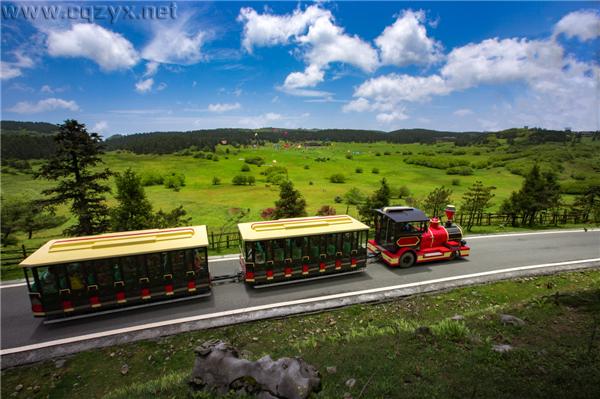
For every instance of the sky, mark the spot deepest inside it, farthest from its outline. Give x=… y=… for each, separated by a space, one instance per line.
x=124 y=67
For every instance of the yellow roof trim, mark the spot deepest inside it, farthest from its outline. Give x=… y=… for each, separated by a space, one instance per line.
x=117 y=244
x=299 y=227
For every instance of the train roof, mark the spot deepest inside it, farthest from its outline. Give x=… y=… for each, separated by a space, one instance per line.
x=299 y=227
x=111 y=245
x=403 y=214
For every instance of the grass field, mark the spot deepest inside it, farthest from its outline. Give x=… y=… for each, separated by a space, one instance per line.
x=556 y=353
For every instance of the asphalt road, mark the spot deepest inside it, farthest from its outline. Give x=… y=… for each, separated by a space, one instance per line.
x=18 y=327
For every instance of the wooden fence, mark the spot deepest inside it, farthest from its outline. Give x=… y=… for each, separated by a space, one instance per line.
x=13 y=256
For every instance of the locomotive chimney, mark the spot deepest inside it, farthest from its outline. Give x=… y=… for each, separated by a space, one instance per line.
x=450 y=211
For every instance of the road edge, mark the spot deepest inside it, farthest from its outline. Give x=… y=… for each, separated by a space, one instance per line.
x=15 y=357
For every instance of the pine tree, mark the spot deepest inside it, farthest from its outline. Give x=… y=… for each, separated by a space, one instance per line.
x=134 y=211
x=72 y=167
x=379 y=199
x=475 y=200
x=291 y=204
x=436 y=201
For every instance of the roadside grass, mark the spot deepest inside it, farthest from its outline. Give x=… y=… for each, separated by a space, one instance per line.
x=556 y=353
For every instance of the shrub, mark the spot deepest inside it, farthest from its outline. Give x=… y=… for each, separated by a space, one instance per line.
x=338 y=199
x=174 y=181
x=359 y=170
x=462 y=170
x=377 y=154
x=459 y=152
x=349 y=156
x=267 y=213
x=326 y=210
x=275 y=174
x=337 y=178
x=310 y=183
x=403 y=192
x=456 y=182
x=216 y=181
x=323 y=159
x=238 y=180
x=306 y=167
x=258 y=161
x=245 y=168
x=387 y=153
x=215 y=158
x=451 y=330
x=375 y=171
x=152 y=178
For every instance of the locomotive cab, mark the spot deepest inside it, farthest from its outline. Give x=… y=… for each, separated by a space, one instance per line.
x=405 y=236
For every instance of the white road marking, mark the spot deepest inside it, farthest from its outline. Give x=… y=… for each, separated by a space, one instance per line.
x=233 y=312
x=12 y=285
x=527 y=234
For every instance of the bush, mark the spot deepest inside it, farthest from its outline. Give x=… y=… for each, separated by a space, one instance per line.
x=403 y=192
x=326 y=210
x=349 y=156
x=258 y=161
x=337 y=178
x=456 y=182
x=275 y=174
x=241 y=180
x=209 y=156
x=462 y=170
x=387 y=153
x=451 y=330
x=459 y=152
x=359 y=170
x=245 y=168
x=215 y=158
x=267 y=213
x=306 y=167
x=321 y=159
x=152 y=178
x=310 y=183
x=375 y=171
x=216 y=181
x=174 y=181
x=338 y=199
x=377 y=154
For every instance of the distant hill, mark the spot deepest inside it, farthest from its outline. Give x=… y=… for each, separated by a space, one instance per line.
x=34 y=128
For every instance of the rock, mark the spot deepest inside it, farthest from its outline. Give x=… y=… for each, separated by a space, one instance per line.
x=218 y=368
x=331 y=369
x=350 y=383
x=36 y=388
x=512 y=320
x=423 y=330
x=124 y=369
x=59 y=363
x=112 y=354
x=347 y=395
x=18 y=387
x=502 y=348
x=255 y=339
x=457 y=317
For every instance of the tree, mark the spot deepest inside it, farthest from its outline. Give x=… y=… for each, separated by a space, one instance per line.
x=475 y=200
x=379 y=199
x=436 y=201
x=589 y=203
x=12 y=214
x=74 y=167
x=175 y=218
x=23 y=214
x=291 y=204
x=326 y=210
x=134 y=211
x=353 y=197
x=540 y=191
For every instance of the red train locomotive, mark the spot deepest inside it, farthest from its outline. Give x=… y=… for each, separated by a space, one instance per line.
x=405 y=236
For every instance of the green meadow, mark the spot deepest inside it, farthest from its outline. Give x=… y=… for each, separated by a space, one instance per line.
x=310 y=168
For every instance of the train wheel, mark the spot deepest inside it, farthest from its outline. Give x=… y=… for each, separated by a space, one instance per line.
x=407 y=259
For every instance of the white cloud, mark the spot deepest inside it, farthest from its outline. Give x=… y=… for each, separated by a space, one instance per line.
x=582 y=24
x=463 y=112
x=144 y=86
x=311 y=76
x=110 y=50
x=405 y=42
x=389 y=117
x=47 y=89
x=260 y=120
x=361 y=104
x=49 y=104
x=9 y=71
x=223 y=107
x=304 y=92
x=161 y=86
x=270 y=30
x=393 y=88
x=151 y=69
x=176 y=44
x=100 y=127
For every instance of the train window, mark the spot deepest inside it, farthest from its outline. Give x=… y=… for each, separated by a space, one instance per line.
x=178 y=263
x=331 y=244
x=76 y=279
x=116 y=269
x=198 y=259
x=48 y=280
x=363 y=239
x=130 y=270
x=249 y=251
x=288 y=248
x=297 y=246
x=165 y=263
x=314 y=247
x=90 y=274
x=104 y=273
x=347 y=243
x=278 y=250
x=153 y=266
x=260 y=255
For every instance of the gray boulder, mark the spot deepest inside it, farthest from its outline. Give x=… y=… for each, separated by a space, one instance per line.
x=219 y=368
x=513 y=320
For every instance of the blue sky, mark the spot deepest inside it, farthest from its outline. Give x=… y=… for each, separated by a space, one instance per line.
x=363 y=65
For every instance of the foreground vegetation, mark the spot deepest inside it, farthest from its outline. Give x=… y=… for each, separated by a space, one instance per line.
x=555 y=353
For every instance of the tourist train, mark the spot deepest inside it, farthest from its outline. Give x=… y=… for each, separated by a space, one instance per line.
x=118 y=271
